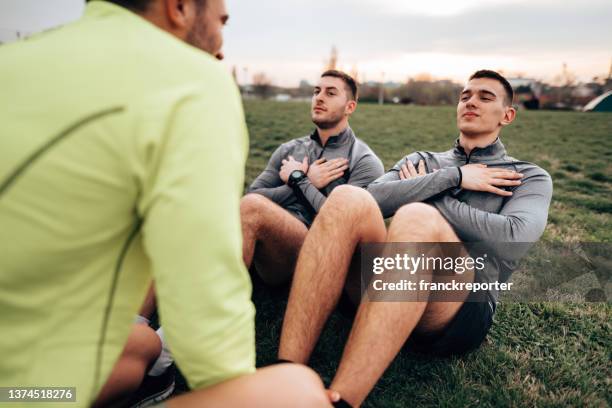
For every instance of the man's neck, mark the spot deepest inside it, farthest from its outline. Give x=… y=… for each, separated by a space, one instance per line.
x=325 y=134
x=470 y=142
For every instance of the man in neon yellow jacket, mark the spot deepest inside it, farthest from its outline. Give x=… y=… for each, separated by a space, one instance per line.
x=122 y=156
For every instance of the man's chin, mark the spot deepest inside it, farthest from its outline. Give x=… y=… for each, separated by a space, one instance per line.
x=324 y=124
x=470 y=131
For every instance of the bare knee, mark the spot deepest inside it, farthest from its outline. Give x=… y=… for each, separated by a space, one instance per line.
x=419 y=217
x=304 y=384
x=351 y=201
x=142 y=344
x=252 y=206
x=417 y=211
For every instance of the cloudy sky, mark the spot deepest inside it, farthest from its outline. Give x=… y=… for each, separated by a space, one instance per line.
x=291 y=40
x=28 y=16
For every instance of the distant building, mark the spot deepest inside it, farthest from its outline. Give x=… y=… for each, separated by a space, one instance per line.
x=282 y=97
x=305 y=84
x=582 y=94
x=386 y=85
x=527 y=92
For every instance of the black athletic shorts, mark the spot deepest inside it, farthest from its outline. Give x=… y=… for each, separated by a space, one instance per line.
x=464 y=333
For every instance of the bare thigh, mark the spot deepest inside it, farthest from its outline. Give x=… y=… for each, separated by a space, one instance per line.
x=438 y=314
x=280 y=386
x=279 y=242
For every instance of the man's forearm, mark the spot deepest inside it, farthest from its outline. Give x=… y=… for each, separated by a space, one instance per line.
x=496 y=230
x=391 y=193
x=311 y=194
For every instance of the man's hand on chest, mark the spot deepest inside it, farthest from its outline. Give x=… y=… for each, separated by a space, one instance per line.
x=289 y=165
x=323 y=171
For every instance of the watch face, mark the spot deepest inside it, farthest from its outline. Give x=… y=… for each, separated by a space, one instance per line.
x=296 y=173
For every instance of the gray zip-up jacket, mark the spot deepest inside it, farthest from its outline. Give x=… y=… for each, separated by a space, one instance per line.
x=504 y=223
x=306 y=201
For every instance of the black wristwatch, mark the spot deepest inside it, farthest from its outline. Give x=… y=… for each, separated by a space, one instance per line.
x=295 y=177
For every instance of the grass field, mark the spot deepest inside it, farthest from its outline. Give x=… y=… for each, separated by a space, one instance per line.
x=537 y=354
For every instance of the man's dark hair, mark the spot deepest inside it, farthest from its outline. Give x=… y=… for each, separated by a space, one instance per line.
x=139 y=6
x=348 y=80
x=485 y=73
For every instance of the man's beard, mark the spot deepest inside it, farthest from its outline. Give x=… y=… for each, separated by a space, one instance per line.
x=197 y=38
x=327 y=123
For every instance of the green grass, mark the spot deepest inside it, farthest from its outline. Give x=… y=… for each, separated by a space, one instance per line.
x=537 y=354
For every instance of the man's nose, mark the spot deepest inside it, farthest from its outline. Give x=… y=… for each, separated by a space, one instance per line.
x=471 y=102
x=219 y=55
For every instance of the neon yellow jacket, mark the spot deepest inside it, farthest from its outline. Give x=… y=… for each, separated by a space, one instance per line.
x=122 y=155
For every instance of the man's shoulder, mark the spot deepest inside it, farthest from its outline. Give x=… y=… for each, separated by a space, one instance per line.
x=292 y=145
x=363 y=148
x=445 y=153
x=528 y=168
x=417 y=155
x=148 y=55
x=298 y=141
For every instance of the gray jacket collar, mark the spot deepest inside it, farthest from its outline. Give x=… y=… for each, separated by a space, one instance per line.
x=494 y=151
x=336 y=140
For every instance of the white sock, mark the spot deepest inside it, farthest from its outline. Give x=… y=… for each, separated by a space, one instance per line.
x=141 y=319
x=164 y=360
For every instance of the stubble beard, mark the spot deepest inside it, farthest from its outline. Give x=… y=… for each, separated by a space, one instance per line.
x=327 y=123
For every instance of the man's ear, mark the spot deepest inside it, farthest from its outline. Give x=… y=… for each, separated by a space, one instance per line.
x=509 y=116
x=350 y=107
x=181 y=14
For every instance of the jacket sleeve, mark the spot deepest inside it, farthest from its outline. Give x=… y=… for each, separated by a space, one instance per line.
x=522 y=219
x=367 y=169
x=390 y=192
x=192 y=236
x=269 y=183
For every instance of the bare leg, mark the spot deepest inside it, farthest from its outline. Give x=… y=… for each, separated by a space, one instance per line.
x=270 y=235
x=350 y=215
x=142 y=348
x=281 y=386
x=381 y=328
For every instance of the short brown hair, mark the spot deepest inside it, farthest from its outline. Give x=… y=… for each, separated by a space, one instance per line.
x=348 y=80
x=486 y=73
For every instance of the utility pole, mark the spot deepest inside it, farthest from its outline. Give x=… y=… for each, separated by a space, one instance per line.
x=381 y=90
x=333 y=59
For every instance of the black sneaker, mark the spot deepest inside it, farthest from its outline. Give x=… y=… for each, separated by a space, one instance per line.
x=153 y=389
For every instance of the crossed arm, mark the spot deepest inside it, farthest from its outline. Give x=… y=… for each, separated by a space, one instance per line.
x=391 y=191
x=522 y=219
x=271 y=183
x=367 y=169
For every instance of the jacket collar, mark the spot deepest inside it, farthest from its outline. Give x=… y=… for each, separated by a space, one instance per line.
x=339 y=139
x=494 y=151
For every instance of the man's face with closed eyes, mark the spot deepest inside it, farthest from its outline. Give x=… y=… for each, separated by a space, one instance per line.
x=483 y=107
